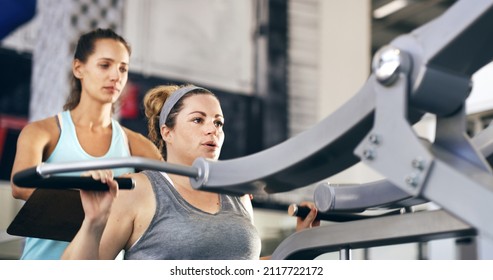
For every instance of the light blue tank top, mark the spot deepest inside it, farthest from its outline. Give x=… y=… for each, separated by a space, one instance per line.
x=69 y=149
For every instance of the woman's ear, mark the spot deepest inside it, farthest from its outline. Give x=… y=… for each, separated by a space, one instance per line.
x=76 y=68
x=166 y=133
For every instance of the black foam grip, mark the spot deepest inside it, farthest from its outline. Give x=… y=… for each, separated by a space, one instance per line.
x=302 y=211
x=29 y=178
x=24 y=177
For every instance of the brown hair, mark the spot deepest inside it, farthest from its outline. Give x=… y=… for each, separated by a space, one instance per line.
x=153 y=103
x=85 y=48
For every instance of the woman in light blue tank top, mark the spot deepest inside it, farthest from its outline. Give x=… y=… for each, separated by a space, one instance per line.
x=85 y=130
x=174 y=220
x=69 y=149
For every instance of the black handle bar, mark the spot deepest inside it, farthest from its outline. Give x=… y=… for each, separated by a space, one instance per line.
x=30 y=178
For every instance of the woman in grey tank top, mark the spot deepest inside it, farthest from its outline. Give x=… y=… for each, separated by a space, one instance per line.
x=163 y=217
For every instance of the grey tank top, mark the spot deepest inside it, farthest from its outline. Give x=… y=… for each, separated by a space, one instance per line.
x=180 y=231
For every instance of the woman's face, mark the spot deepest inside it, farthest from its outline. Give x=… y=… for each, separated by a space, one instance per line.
x=105 y=73
x=198 y=131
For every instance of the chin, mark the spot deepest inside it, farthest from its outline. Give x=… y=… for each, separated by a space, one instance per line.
x=212 y=157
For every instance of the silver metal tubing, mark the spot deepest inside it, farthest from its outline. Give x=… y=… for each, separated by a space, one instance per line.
x=47 y=169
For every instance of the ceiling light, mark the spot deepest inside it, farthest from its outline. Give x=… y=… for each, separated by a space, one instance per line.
x=390 y=8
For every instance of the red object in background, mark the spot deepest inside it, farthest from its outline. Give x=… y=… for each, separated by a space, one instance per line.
x=3 y=136
x=9 y=122
x=130 y=102
x=10 y=128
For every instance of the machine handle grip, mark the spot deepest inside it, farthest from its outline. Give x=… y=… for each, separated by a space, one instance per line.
x=302 y=211
x=30 y=178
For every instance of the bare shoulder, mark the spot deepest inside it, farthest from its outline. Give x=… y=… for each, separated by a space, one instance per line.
x=34 y=144
x=140 y=180
x=43 y=130
x=137 y=206
x=140 y=196
x=141 y=146
x=134 y=136
x=42 y=126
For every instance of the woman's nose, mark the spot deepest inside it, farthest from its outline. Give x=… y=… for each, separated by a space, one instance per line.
x=115 y=74
x=211 y=128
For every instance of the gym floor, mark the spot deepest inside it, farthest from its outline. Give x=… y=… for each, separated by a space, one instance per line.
x=10 y=246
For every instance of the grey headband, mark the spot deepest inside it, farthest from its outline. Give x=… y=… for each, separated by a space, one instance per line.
x=172 y=100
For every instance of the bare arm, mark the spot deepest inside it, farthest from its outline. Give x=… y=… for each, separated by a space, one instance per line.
x=33 y=144
x=110 y=217
x=97 y=207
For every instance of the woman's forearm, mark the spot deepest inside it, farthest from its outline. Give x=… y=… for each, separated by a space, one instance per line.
x=85 y=245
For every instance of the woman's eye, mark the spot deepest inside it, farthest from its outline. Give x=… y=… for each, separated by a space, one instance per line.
x=197 y=120
x=104 y=65
x=219 y=123
x=123 y=70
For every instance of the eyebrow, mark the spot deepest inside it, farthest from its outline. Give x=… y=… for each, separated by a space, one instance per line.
x=112 y=60
x=204 y=114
